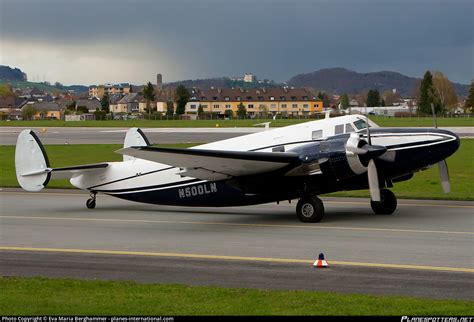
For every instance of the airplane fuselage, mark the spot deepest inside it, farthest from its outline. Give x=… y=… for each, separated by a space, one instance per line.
x=326 y=165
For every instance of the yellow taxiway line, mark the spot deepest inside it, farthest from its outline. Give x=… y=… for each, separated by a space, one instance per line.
x=236 y=258
x=116 y=220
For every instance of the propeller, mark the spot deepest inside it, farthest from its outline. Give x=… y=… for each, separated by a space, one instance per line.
x=367 y=154
x=373 y=181
x=442 y=165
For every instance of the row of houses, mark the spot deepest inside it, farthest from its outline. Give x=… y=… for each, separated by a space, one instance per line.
x=284 y=101
x=44 y=105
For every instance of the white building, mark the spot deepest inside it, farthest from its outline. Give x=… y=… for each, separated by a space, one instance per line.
x=250 y=78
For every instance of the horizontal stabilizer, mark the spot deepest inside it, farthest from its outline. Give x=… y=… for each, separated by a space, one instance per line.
x=33 y=171
x=68 y=172
x=213 y=164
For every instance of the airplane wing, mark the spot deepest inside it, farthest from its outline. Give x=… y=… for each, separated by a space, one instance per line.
x=215 y=164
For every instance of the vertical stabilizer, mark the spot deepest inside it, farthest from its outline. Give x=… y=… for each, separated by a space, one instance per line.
x=31 y=162
x=134 y=137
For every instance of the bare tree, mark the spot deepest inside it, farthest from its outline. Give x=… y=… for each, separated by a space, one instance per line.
x=445 y=91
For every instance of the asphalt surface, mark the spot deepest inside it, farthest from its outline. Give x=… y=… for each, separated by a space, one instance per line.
x=8 y=135
x=92 y=135
x=425 y=249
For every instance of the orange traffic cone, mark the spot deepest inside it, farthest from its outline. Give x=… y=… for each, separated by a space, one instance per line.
x=321 y=262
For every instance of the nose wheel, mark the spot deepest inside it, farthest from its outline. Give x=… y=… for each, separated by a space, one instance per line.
x=387 y=203
x=90 y=203
x=310 y=209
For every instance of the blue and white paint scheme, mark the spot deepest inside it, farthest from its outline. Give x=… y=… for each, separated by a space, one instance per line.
x=294 y=162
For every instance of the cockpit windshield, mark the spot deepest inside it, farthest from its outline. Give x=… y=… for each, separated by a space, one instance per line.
x=360 y=125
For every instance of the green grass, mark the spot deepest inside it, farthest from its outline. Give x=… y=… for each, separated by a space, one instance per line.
x=382 y=121
x=43 y=296
x=424 y=185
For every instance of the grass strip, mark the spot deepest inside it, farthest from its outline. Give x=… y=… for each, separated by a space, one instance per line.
x=45 y=296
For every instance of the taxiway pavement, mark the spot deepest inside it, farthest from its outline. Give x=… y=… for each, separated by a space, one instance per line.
x=425 y=249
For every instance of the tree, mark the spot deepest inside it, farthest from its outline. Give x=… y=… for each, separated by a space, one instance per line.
x=182 y=98
x=373 y=98
x=325 y=98
x=6 y=90
x=390 y=98
x=427 y=95
x=149 y=95
x=344 y=101
x=263 y=110
x=82 y=110
x=241 y=111
x=445 y=92
x=169 y=108
x=105 y=103
x=228 y=113
x=470 y=97
x=200 y=111
x=28 y=112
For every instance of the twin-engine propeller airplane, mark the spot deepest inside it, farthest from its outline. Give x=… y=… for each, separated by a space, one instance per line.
x=294 y=162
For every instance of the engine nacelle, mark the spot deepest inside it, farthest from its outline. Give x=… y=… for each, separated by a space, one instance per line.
x=332 y=157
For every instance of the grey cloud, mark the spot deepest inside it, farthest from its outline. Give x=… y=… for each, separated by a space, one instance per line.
x=274 y=39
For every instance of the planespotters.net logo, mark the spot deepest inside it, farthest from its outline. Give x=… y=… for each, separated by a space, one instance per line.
x=437 y=319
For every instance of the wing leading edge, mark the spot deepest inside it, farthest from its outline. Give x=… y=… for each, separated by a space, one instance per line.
x=215 y=164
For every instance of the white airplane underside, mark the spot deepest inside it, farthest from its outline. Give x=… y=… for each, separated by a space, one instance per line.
x=293 y=162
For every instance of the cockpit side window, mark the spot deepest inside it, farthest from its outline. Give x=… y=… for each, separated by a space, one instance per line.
x=339 y=129
x=349 y=128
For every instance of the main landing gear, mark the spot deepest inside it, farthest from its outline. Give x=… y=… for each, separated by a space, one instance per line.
x=90 y=203
x=387 y=203
x=310 y=209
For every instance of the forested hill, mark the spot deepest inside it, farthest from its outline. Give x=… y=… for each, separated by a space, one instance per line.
x=341 y=80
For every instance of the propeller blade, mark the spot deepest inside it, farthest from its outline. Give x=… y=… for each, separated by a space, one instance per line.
x=369 y=140
x=373 y=181
x=444 y=176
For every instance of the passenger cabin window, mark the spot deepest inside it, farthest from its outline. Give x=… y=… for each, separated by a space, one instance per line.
x=280 y=148
x=349 y=128
x=317 y=134
x=339 y=129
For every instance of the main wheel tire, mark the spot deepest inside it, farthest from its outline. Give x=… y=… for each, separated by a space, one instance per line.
x=387 y=203
x=310 y=209
x=90 y=203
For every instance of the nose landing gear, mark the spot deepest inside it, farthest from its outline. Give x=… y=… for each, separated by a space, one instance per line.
x=90 y=203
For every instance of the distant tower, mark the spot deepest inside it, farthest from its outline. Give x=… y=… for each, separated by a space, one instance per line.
x=159 y=82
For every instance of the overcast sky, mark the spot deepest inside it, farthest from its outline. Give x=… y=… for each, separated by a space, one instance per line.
x=89 y=42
